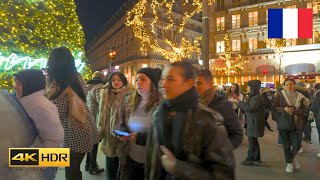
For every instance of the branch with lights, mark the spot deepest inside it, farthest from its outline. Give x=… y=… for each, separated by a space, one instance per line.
x=158 y=26
x=277 y=45
x=231 y=65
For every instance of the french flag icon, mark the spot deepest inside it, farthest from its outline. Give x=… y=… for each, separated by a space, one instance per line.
x=290 y=23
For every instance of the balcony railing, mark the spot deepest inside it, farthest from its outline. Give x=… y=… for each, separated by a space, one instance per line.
x=261 y=51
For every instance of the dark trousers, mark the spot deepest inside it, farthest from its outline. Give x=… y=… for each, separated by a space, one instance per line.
x=132 y=170
x=254 y=149
x=92 y=156
x=266 y=115
x=73 y=172
x=112 y=166
x=318 y=128
x=290 y=138
x=307 y=130
x=279 y=138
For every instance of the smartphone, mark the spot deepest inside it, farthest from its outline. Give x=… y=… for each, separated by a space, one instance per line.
x=121 y=133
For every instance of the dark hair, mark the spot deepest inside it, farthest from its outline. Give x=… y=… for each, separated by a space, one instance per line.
x=121 y=76
x=237 y=91
x=62 y=70
x=154 y=99
x=286 y=80
x=206 y=73
x=32 y=80
x=317 y=86
x=189 y=72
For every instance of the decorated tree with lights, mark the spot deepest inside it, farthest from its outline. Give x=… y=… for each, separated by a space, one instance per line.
x=226 y=63
x=278 y=46
x=161 y=26
x=33 y=28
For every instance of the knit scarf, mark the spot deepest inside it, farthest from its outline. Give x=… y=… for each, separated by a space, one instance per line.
x=115 y=103
x=207 y=96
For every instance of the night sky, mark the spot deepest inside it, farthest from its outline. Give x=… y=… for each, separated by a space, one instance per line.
x=94 y=13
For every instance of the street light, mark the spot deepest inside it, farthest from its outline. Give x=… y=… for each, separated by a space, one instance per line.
x=112 y=55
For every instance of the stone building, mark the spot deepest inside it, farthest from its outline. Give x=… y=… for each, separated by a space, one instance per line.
x=116 y=37
x=246 y=22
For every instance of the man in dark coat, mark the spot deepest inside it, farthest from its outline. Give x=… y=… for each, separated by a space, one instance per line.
x=254 y=115
x=188 y=140
x=315 y=108
x=218 y=102
x=300 y=87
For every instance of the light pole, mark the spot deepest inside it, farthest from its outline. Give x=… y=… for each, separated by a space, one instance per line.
x=205 y=33
x=112 y=55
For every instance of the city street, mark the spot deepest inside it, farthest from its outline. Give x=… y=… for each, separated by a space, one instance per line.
x=273 y=166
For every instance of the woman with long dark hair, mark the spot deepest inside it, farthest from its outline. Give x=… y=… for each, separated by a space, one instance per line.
x=137 y=121
x=254 y=114
x=67 y=90
x=110 y=116
x=234 y=95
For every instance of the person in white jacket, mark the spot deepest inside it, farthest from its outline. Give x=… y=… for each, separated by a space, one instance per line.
x=29 y=86
x=17 y=130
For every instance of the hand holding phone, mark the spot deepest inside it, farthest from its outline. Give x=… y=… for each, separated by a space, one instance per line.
x=121 y=133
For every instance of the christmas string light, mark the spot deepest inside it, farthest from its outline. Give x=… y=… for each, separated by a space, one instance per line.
x=158 y=26
x=231 y=65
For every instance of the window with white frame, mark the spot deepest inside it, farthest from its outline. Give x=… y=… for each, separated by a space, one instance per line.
x=253 y=43
x=220 y=23
x=235 y=21
x=220 y=46
x=236 y=45
x=253 y=18
x=144 y=65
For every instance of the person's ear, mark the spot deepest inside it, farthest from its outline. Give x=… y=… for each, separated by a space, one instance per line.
x=190 y=82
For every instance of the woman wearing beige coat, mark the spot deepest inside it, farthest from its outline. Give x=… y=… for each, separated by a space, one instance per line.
x=111 y=105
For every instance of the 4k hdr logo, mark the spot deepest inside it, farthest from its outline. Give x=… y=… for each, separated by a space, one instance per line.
x=39 y=157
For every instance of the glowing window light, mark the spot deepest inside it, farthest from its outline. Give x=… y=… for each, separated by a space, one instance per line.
x=13 y=60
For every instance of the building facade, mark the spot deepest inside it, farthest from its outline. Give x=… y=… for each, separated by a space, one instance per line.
x=127 y=56
x=246 y=23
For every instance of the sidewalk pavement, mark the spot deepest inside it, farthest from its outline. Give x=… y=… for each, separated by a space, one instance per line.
x=272 y=167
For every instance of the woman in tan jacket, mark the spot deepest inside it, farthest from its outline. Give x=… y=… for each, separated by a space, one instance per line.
x=111 y=104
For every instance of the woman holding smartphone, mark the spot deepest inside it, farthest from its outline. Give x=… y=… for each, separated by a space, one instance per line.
x=111 y=106
x=137 y=121
x=290 y=107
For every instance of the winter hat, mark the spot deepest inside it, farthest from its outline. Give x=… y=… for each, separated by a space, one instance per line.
x=153 y=74
x=32 y=80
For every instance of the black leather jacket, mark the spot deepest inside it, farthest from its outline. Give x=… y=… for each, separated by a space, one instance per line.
x=206 y=147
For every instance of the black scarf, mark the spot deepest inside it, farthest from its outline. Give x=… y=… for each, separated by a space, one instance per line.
x=172 y=116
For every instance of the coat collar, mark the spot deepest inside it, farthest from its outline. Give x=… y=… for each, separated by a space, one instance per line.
x=207 y=96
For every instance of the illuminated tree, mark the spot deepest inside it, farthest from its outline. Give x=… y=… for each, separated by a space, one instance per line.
x=161 y=26
x=227 y=64
x=34 y=27
x=278 y=46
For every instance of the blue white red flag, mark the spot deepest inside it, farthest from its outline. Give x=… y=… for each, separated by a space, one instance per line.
x=290 y=23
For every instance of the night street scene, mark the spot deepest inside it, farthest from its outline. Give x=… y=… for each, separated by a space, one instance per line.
x=160 y=89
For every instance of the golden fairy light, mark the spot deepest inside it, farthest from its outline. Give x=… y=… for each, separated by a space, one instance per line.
x=231 y=65
x=161 y=27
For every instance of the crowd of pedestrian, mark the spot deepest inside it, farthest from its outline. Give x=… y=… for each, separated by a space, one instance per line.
x=168 y=125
